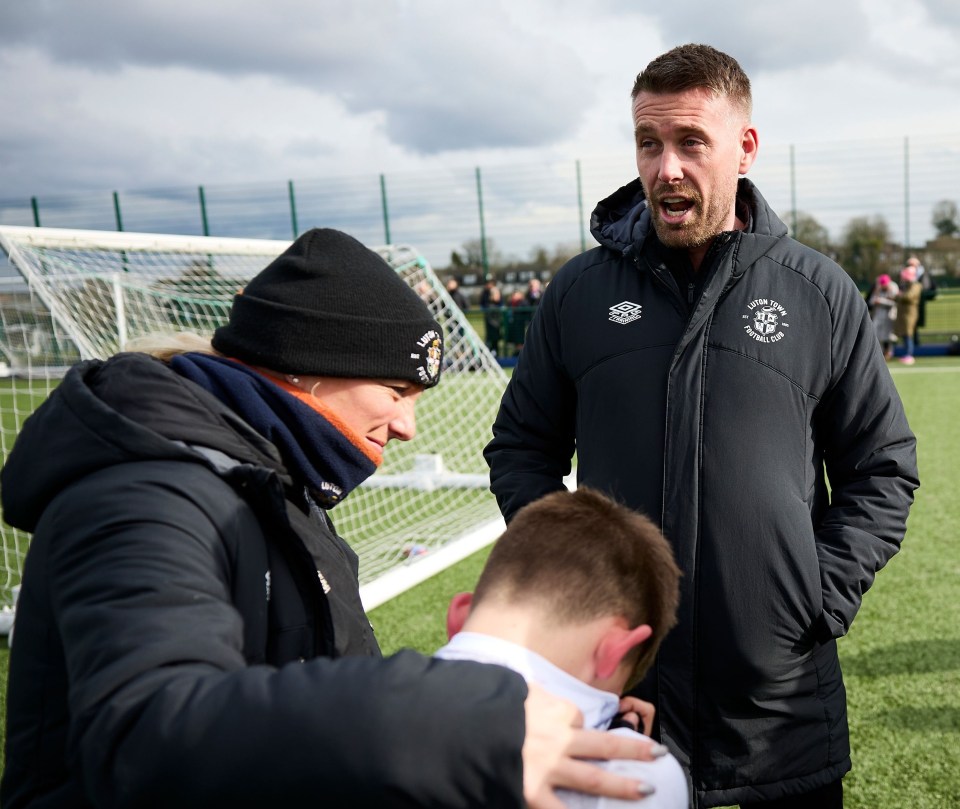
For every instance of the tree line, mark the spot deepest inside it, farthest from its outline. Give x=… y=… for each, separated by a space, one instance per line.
x=865 y=249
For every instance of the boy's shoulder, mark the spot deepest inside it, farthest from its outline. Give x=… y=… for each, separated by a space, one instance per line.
x=664 y=774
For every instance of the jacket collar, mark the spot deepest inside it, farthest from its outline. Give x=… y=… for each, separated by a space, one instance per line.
x=598 y=707
x=622 y=222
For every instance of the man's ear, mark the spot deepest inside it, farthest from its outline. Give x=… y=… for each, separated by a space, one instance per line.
x=749 y=144
x=614 y=645
x=457 y=613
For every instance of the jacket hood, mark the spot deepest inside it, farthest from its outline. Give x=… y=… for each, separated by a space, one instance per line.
x=622 y=221
x=131 y=407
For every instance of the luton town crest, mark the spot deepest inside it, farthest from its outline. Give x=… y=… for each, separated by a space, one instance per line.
x=431 y=345
x=766 y=320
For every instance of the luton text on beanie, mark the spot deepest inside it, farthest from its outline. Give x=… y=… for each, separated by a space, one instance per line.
x=329 y=306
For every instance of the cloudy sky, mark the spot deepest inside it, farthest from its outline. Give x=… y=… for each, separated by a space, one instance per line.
x=112 y=94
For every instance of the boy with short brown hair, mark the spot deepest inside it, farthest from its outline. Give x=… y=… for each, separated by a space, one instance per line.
x=576 y=596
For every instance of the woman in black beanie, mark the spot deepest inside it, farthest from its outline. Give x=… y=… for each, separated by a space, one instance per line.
x=189 y=630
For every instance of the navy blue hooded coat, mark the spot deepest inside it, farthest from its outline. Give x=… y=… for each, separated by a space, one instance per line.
x=721 y=410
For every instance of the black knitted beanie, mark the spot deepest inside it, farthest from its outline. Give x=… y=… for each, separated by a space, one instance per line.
x=328 y=306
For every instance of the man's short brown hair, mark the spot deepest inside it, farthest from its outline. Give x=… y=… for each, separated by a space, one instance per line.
x=585 y=556
x=691 y=67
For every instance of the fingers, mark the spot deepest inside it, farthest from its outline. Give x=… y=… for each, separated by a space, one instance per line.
x=641 y=706
x=644 y=709
x=599 y=744
x=626 y=720
x=647 y=713
x=556 y=753
x=582 y=776
x=550 y=725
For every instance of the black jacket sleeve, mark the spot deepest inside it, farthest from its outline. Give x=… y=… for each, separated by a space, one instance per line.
x=166 y=712
x=871 y=463
x=534 y=432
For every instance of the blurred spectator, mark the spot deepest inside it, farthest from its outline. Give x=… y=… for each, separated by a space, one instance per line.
x=453 y=289
x=518 y=318
x=491 y=302
x=883 y=311
x=534 y=291
x=426 y=293
x=908 y=310
x=928 y=291
x=488 y=286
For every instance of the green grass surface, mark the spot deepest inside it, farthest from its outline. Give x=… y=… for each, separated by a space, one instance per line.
x=942 y=317
x=901 y=659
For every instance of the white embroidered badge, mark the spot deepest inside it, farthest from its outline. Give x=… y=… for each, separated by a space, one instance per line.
x=766 y=320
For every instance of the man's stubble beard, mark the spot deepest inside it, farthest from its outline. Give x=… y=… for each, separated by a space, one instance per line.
x=705 y=226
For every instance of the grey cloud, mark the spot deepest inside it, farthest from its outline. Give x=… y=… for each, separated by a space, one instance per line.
x=83 y=160
x=782 y=35
x=773 y=35
x=944 y=13
x=477 y=84
x=105 y=35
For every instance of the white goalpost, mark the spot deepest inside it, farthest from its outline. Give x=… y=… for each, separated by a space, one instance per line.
x=83 y=294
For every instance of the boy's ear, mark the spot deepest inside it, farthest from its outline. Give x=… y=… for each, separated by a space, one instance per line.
x=615 y=644
x=457 y=613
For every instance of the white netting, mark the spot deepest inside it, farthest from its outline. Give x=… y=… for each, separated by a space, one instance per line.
x=83 y=294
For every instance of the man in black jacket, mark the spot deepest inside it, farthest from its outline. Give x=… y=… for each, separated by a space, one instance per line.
x=713 y=373
x=189 y=630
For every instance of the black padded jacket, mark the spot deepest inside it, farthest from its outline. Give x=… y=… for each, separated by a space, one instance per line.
x=175 y=645
x=721 y=409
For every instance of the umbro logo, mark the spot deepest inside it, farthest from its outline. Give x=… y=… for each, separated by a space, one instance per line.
x=625 y=312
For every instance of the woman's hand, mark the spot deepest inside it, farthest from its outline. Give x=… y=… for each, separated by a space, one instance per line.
x=556 y=750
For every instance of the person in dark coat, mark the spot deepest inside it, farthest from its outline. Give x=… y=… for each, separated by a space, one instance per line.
x=456 y=295
x=715 y=374
x=189 y=631
x=491 y=302
x=882 y=302
x=534 y=292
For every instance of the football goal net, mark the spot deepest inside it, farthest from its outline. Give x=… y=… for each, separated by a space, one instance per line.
x=76 y=295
